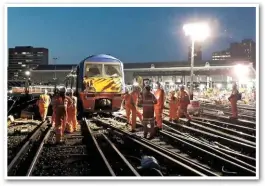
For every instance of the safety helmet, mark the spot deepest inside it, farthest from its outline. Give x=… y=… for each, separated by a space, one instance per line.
x=149 y=162
x=182 y=87
x=158 y=83
x=63 y=90
x=45 y=91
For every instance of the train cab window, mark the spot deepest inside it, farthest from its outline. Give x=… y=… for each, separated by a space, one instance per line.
x=93 y=70
x=112 y=70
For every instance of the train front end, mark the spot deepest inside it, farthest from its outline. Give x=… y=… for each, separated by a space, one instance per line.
x=102 y=84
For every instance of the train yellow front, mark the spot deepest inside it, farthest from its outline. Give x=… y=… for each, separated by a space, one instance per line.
x=100 y=84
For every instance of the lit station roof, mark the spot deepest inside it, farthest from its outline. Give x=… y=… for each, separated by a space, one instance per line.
x=56 y=67
x=181 y=64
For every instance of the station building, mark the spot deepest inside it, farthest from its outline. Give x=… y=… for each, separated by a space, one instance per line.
x=207 y=73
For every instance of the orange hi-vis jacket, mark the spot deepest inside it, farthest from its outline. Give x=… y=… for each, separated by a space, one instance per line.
x=183 y=98
x=128 y=99
x=148 y=101
x=159 y=94
x=135 y=96
x=44 y=100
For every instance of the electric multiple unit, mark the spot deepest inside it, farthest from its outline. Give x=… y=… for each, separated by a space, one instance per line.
x=100 y=84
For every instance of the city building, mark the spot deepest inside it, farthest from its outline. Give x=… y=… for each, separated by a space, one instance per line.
x=25 y=58
x=249 y=48
x=197 y=52
x=223 y=55
x=51 y=74
x=246 y=50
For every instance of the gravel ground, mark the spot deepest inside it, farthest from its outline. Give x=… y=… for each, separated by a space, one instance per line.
x=15 y=139
x=69 y=159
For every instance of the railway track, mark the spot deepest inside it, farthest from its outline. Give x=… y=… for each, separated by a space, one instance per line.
x=236 y=129
x=20 y=147
x=214 y=115
x=19 y=132
x=171 y=165
x=193 y=153
x=204 y=147
x=80 y=155
x=227 y=114
x=244 y=110
x=212 y=136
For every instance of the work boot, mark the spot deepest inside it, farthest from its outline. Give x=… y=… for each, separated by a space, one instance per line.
x=175 y=121
x=133 y=131
x=151 y=137
x=233 y=118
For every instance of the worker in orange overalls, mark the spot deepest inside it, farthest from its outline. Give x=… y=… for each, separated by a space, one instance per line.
x=148 y=100
x=233 y=100
x=160 y=95
x=54 y=99
x=173 y=106
x=72 y=111
x=184 y=101
x=127 y=104
x=43 y=103
x=135 y=96
x=61 y=105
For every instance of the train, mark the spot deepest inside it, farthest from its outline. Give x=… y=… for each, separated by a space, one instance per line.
x=100 y=84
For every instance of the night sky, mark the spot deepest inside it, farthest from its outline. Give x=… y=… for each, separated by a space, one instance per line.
x=130 y=34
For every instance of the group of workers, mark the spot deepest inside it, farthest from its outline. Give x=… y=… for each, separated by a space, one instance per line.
x=153 y=105
x=64 y=111
x=64 y=117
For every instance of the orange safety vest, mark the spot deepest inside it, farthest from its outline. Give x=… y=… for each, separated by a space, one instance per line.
x=73 y=103
x=128 y=99
x=135 y=96
x=184 y=99
x=44 y=100
x=159 y=94
x=148 y=105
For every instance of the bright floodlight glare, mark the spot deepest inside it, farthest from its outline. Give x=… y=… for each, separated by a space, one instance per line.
x=241 y=71
x=197 y=31
x=171 y=83
x=27 y=73
x=202 y=86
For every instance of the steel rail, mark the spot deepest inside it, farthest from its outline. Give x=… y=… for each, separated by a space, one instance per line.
x=223 y=140
x=244 y=129
x=141 y=143
x=26 y=146
x=218 y=156
x=35 y=159
x=232 y=153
